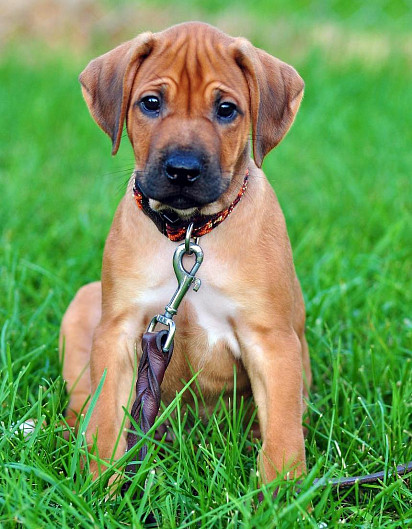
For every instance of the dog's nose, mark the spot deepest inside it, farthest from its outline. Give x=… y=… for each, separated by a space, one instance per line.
x=183 y=168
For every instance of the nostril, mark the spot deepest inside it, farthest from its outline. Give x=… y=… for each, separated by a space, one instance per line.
x=193 y=174
x=172 y=172
x=183 y=169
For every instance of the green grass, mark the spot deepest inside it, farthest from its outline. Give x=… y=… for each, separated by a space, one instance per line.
x=343 y=176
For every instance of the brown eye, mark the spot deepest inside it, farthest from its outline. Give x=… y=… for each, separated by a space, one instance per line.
x=226 y=111
x=150 y=105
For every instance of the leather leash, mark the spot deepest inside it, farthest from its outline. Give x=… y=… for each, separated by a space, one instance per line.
x=344 y=483
x=157 y=349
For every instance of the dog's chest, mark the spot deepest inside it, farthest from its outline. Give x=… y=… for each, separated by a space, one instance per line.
x=215 y=313
x=205 y=316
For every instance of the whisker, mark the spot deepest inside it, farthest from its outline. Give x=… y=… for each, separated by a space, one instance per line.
x=120 y=171
x=121 y=187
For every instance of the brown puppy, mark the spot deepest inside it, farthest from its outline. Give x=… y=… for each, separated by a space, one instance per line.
x=189 y=96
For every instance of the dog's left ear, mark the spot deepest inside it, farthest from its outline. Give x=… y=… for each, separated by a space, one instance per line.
x=107 y=82
x=275 y=89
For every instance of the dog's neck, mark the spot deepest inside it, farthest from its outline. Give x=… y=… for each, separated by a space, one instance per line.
x=170 y=224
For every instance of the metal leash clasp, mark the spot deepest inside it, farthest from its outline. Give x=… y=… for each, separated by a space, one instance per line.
x=185 y=280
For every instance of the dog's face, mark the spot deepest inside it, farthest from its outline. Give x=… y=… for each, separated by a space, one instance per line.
x=190 y=96
x=188 y=121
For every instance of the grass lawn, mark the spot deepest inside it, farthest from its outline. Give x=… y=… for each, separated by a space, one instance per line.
x=343 y=177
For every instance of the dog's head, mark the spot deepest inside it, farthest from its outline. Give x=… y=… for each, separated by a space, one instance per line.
x=190 y=96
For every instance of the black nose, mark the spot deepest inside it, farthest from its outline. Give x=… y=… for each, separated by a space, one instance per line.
x=183 y=168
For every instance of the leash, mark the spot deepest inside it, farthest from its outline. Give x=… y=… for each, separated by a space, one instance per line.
x=157 y=350
x=157 y=347
x=344 y=483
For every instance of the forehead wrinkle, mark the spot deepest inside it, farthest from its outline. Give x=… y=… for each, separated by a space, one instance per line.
x=220 y=66
x=169 y=59
x=159 y=66
x=209 y=53
x=192 y=64
x=199 y=70
x=201 y=66
x=186 y=69
x=194 y=73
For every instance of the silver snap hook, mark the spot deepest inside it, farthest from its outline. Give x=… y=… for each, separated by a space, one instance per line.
x=188 y=237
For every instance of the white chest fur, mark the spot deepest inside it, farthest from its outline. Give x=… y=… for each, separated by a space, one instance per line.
x=213 y=310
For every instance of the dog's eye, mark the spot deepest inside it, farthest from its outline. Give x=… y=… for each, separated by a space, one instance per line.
x=150 y=105
x=226 y=111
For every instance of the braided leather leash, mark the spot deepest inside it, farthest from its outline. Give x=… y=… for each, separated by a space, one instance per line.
x=152 y=367
x=157 y=349
x=344 y=483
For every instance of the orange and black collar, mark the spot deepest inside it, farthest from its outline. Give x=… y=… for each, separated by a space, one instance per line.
x=171 y=225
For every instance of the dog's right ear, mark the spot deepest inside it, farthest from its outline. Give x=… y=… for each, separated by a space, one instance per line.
x=107 y=82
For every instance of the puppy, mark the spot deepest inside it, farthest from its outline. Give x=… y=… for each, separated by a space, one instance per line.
x=190 y=96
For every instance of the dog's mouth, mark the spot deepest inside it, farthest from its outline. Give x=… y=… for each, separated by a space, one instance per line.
x=173 y=221
x=176 y=203
x=183 y=203
x=174 y=216
x=170 y=211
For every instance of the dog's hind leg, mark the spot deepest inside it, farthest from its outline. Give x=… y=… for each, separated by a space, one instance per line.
x=76 y=337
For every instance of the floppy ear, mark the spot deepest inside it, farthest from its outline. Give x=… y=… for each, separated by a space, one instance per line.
x=275 y=89
x=107 y=82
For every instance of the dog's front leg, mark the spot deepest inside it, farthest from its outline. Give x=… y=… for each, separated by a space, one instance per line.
x=274 y=366
x=113 y=351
